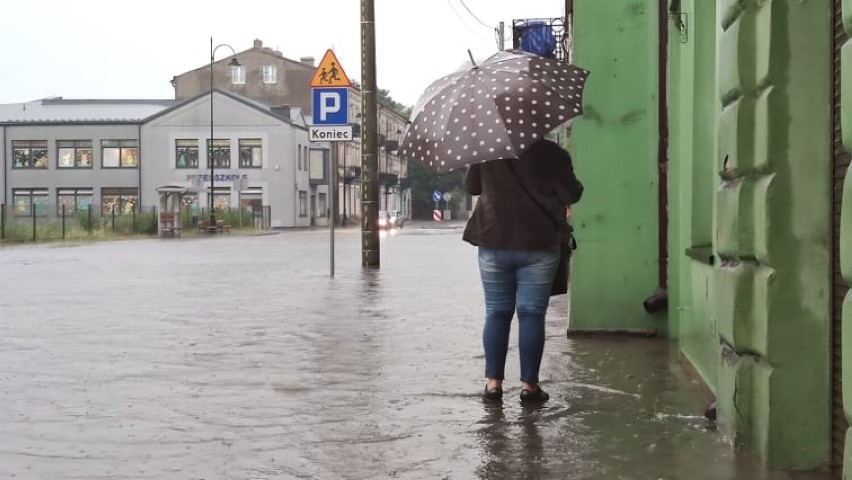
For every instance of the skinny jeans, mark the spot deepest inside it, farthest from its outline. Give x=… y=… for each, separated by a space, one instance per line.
x=515 y=281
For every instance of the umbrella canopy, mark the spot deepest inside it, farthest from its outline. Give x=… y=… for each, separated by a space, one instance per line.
x=493 y=110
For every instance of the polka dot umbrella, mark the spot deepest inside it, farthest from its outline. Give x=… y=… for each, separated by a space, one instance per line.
x=493 y=110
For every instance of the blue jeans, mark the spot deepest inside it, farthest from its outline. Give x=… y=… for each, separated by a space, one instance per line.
x=515 y=279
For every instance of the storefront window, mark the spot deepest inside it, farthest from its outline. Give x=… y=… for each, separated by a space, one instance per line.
x=222 y=199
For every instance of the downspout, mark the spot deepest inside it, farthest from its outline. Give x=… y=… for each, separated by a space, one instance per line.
x=659 y=300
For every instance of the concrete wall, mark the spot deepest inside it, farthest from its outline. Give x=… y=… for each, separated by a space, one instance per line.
x=614 y=146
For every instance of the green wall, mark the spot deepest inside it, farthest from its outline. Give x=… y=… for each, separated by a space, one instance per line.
x=749 y=203
x=615 y=154
x=846 y=233
x=751 y=178
x=693 y=117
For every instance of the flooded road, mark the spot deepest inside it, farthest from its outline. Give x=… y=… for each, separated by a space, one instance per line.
x=238 y=357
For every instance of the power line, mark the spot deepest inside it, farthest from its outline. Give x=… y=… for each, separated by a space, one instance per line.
x=473 y=15
x=465 y=23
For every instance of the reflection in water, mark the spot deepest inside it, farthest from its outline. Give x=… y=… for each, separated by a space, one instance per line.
x=514 y=448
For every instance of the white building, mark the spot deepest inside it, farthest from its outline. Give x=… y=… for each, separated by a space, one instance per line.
x=116 y=154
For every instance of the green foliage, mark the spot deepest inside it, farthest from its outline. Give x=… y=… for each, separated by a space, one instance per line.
x=385 y=99
x=423 y=181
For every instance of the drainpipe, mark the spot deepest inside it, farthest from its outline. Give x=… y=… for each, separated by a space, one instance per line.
x=659 y=300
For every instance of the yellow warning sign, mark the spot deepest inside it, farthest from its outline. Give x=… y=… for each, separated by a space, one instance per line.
x=330 y=73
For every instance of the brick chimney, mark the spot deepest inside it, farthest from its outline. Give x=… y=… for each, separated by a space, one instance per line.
x=258 y=44
x=307 y=61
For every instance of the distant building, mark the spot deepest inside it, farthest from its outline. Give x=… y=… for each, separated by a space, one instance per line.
x=265 y=75
x=114 y=155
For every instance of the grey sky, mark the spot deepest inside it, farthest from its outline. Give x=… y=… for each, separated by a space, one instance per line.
x=109 y=49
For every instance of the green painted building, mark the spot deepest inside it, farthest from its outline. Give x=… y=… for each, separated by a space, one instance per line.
x=714 y=150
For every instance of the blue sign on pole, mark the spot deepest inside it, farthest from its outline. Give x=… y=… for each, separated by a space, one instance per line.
x=331 y=106
x=436 y=196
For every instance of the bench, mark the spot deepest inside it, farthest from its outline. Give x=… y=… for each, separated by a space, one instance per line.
x=220 y=227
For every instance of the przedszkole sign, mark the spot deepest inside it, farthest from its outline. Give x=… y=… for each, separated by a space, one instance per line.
x=330 y=90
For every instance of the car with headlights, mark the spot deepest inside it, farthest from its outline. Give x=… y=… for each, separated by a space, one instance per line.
x=389 y=219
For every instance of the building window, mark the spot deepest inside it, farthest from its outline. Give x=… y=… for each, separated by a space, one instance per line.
x=221 y=198
x=303 y=204
x=24 y=199
x=322 y=204
x=299 y=152
x=120 y=153
x=186 y=153
x=251 y=153
x=73 y=199
x=318 y=165
x=305 y=156
x=270 y=74
x=238 y=75
x=74 y=153
x=29 y=154
x=123 y=200
x=220 y=152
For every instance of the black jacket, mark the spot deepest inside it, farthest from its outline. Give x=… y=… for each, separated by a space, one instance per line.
x=506 y=217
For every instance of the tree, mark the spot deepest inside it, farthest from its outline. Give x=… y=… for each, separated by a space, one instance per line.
x=385 y=99
x=421 y=179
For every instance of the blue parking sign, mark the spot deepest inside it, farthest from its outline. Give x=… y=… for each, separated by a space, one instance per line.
x=331 y=106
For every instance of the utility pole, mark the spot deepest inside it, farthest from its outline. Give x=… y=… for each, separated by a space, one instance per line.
x=501 y=36
x=369 y=148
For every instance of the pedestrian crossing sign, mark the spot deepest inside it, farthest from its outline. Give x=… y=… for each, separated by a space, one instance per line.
x=330 y=73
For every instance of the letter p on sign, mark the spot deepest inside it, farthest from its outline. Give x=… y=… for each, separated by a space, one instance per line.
x=331 y=106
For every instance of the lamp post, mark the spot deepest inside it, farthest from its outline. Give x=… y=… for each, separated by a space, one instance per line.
x=232 y=63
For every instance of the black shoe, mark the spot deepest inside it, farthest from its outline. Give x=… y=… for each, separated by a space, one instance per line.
x=495 y=393
x=538 y=396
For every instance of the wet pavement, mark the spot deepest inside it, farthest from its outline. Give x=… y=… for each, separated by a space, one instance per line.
x=239 y=357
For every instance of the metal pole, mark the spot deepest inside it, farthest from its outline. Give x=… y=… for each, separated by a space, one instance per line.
x=332 y=186
x=370 y=254
x=343 y=191
x=210 y=144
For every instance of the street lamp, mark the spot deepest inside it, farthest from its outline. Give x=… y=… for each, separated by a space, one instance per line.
x=232 y=63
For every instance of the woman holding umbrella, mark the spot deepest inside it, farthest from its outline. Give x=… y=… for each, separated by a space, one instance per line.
x=519 y=225
x=493 y=118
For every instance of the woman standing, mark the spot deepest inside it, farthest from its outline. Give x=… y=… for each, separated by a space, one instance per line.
x=519 y=224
